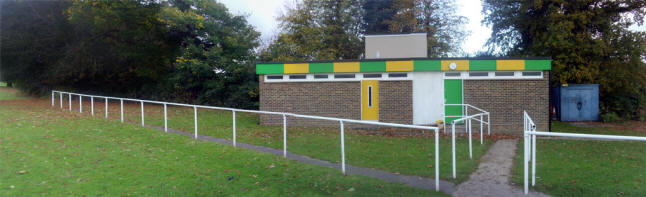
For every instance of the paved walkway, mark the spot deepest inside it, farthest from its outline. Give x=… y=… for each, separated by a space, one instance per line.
x=493 y=174
x=414 y=181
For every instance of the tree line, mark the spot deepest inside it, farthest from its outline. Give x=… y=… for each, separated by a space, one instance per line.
x=197 y=51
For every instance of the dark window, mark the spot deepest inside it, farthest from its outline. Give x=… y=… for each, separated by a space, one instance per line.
x=297 y=77
x=344 y=76
x=478 y=74
x=275 y=77
x=504 y=74
x=452 y=74
x=320 y=76
x=397 y=75
x=371 y=75
x=531 y=74
x=369 y=96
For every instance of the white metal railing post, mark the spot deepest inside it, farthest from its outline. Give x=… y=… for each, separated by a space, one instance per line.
x=284 y=135
x=106 y=107
x=453 y=146
x=488 y=123
x=533 y=158
x=60 y=99
x=525 y=160
x=69 y=100
x=165 y=119
x=234 y=127
x=342 y=148
x=195 y=118
x=481 y=124
x=470 y=145
x=121 y=109
x=52 y=98
x=142 y=113
x=92 y=105
x=80 y=104
x=437 y=159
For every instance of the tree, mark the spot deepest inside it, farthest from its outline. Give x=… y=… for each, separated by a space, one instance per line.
x=215 y=63
x=183 y=50
x=33 y=35
x=376 y=12
x=319 y=29
x=588 y=41
x=118 y=47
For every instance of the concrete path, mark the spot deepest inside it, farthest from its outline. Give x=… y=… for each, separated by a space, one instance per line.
x=414 y=181
x=493 y=174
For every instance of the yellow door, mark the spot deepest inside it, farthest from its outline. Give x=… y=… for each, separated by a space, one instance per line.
x=370 y=100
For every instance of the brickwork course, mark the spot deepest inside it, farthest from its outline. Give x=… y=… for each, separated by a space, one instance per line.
x=505 y=100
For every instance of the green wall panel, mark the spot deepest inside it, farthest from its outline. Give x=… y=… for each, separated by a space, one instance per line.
x=538 y=64
x=378 y=66
x=427 y=65
x=269 y=69
x=452 y=95
x=327 y=67
x=482 y=64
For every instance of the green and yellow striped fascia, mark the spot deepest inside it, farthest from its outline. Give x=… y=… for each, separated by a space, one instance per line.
x=413 y=65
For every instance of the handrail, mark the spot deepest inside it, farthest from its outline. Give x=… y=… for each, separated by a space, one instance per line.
x=465 y=110
x=468 y=131
x=234 y=110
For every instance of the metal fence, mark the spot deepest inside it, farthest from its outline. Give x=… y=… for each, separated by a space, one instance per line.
x=233 y=110
x=530 y=134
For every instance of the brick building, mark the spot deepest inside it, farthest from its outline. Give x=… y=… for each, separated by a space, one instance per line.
x=411 y=90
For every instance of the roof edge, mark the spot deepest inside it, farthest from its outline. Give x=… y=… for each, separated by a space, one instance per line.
x=399 y=59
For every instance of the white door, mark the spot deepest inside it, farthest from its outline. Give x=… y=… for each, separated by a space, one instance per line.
x=428 y=97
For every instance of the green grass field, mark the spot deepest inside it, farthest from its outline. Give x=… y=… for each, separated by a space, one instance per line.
x=49 y=152
x=8 y=94
x=587 y=168
x=405 y=155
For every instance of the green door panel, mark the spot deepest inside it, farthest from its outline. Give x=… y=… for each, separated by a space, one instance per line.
x=452 y=95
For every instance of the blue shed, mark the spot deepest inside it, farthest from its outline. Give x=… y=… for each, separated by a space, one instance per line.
x=576 y=102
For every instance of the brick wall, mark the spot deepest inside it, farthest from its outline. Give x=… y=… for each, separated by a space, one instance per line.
x=333 y=99
x=396 y=101
x=506 y=100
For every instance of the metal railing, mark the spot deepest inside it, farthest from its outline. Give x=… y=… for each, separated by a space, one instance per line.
x=529 y=140
x=468 y=129
x=234 y=110
x=465 y=113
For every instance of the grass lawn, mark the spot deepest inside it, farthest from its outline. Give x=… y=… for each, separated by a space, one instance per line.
x=46 y=151
x=3 y=84
x=9 y=93
x=405 y=155
x=587 y=168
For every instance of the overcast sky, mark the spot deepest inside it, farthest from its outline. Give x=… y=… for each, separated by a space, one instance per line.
x=263 y=14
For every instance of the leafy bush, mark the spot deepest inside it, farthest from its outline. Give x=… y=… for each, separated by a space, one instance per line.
x=610 y=117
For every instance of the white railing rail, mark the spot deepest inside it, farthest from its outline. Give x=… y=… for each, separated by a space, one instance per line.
x=468 y=129
x=234 y=110
x=530 y=134
x=465 y=113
